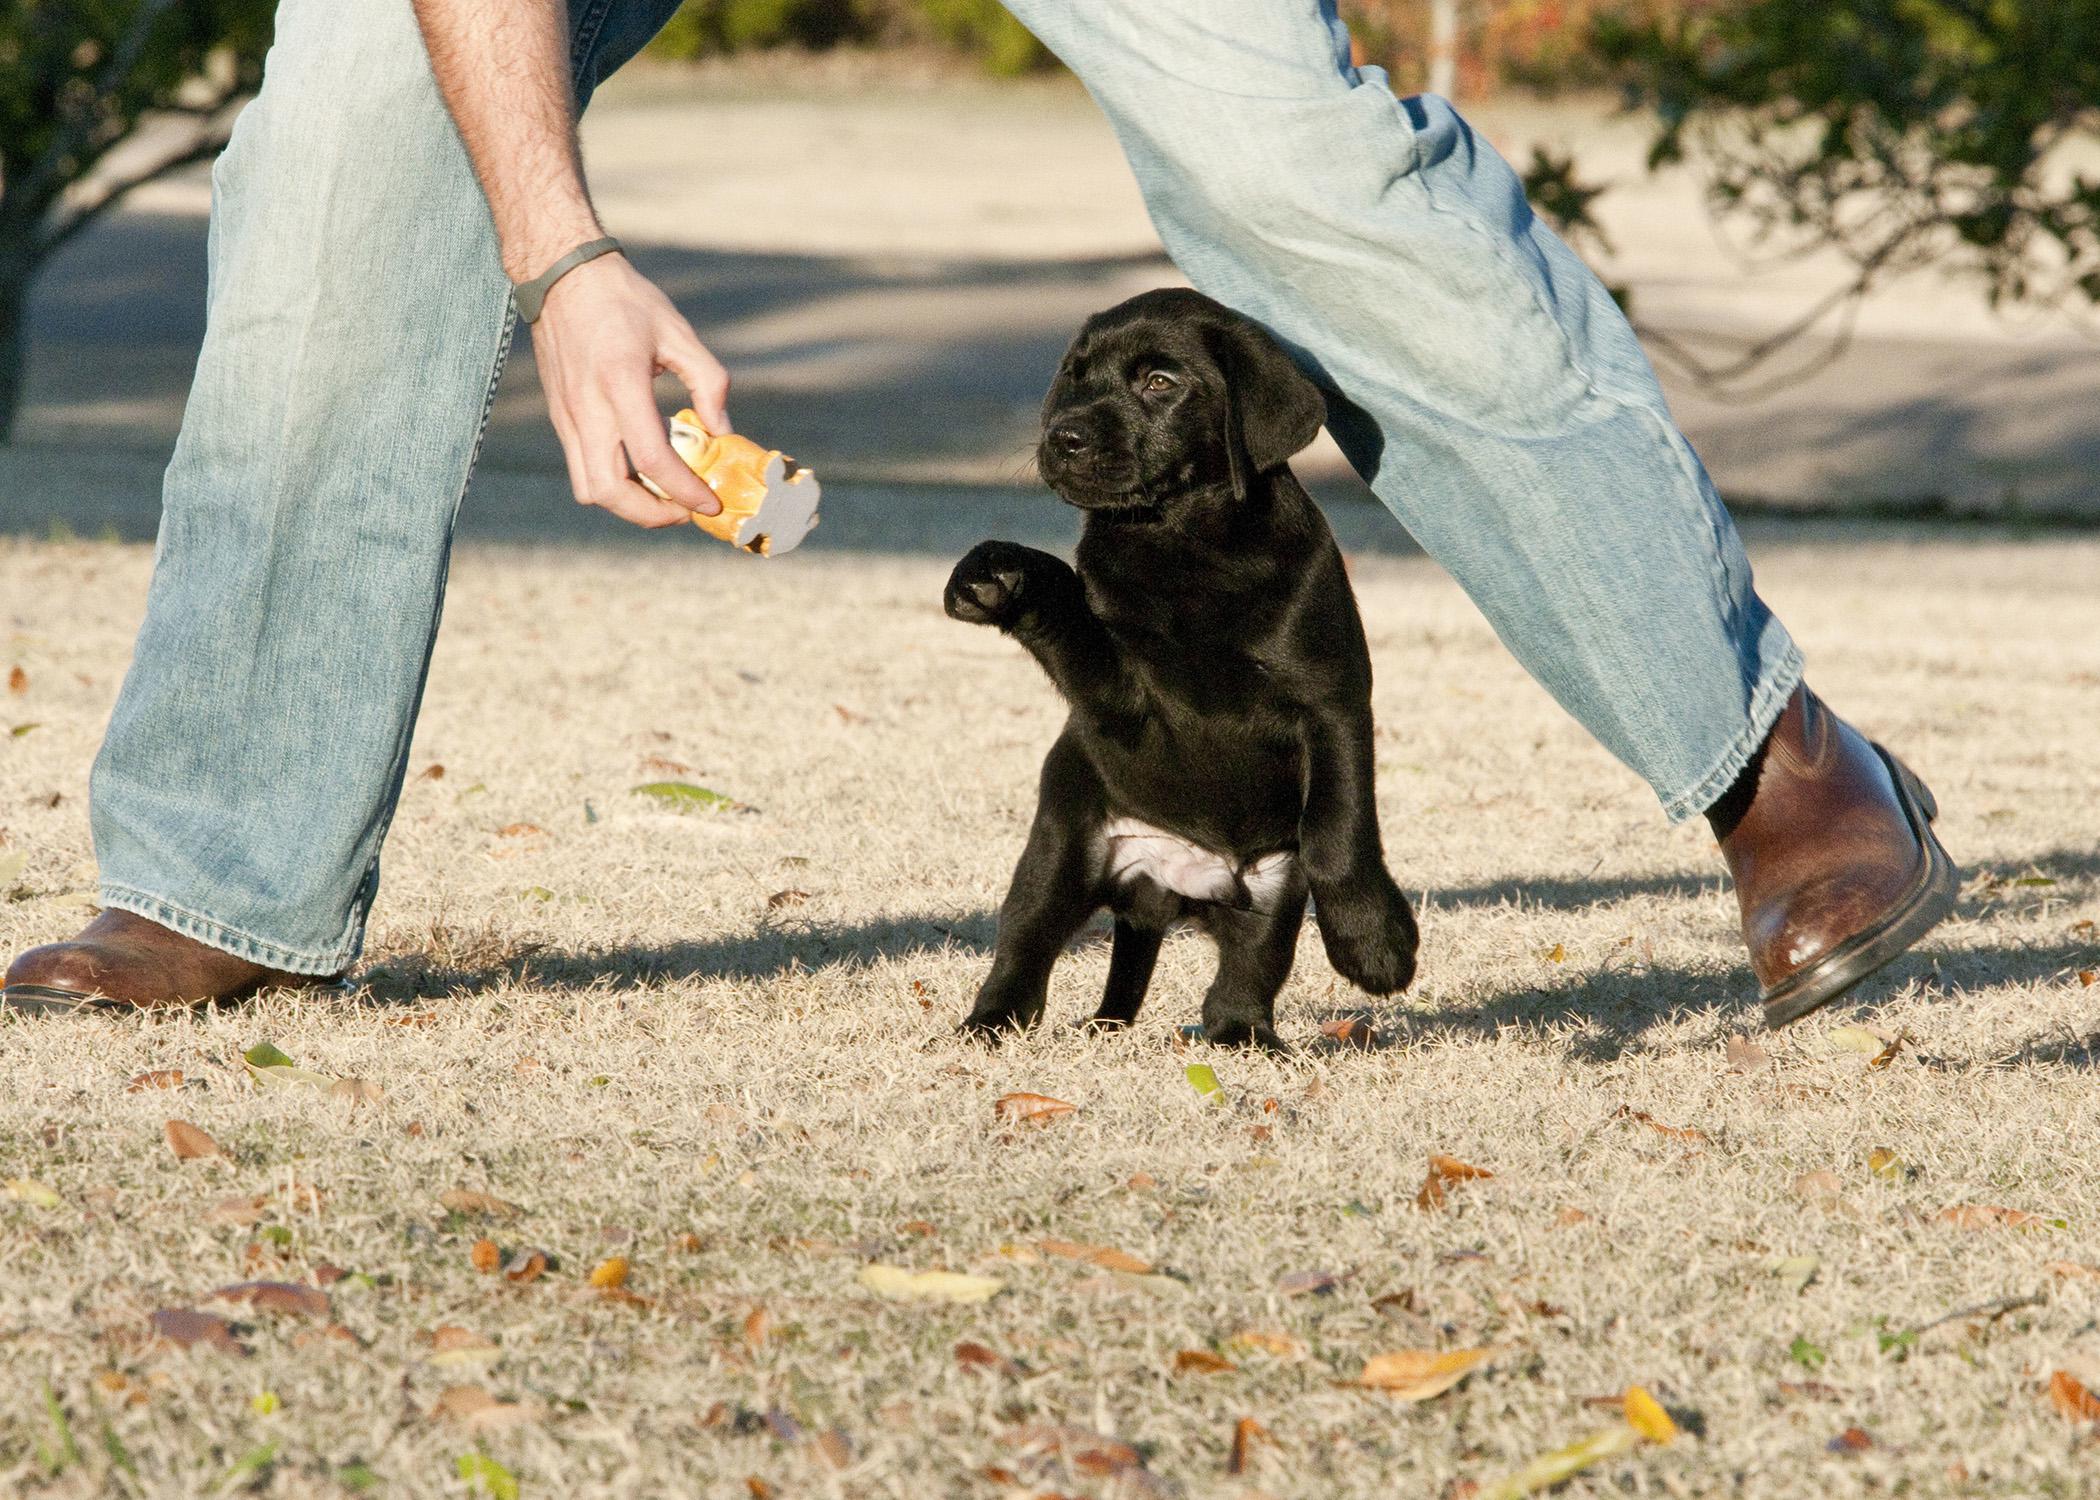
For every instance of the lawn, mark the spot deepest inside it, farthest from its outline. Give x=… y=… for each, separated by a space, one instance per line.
x=710 y=1046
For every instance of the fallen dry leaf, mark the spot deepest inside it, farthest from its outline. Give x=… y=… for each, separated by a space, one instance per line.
x=609 y=1273
x=1266 y=1341
x=17 y=679
x=1307 y=1283
x=1444 y=1170
x=355 y=1091
x=1851 y=1440
x=834 y=1447
x=1889 y=1053
x=1030 y=1109
x=1350 y=1031
x=241 y=1209
x=1080 y=1447
x=1568 y=1218
x=1986 y=1216
x=785 y=898
x=485 y=1257
x=36 y=1194
x=2070 y=1397
x=1674 y=1132
x=1201 y=1362
x=1745 y=1056
x=1245 y=1434
x=972 y=1355
x=485 y=1205
x=276 y=1296
x=757 y=1325
x=901 y=1285
x=477 y=1411
x=1104 y=1256
x=189 y=1143
x=525 y=1265
x=157 y=1078
x=2072 y=1270
x=186 y=1328
x=1818 y=1186
x=1418 y=1374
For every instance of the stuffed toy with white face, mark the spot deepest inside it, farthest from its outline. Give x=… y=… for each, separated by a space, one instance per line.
x=769 y=502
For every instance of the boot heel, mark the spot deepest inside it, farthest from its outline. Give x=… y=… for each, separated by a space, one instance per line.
x=1917 y=790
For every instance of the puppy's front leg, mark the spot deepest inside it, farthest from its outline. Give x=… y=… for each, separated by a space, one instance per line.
x=1039 y=601
x=1364 y=920
x=1053 y=892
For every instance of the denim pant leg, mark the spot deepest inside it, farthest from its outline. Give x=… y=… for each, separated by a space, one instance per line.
x=358 y=318
x=1482 y=380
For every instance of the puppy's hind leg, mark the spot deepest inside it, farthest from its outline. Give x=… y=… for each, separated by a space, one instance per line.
x=1255 y=952
x=1130 y=964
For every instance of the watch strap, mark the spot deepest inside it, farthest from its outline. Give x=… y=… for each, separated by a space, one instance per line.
x=532 y=295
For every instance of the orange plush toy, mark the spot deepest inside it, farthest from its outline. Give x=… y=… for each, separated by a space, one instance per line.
x=769 y=502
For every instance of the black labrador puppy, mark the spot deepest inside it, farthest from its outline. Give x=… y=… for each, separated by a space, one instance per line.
x=1217 y=762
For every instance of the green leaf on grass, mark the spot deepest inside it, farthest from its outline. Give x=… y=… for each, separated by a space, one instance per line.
x=683 y=796
x=21 y=729
x=357 y=1476
x=64 y=1453
x=1204 y=1080
x=264 y=1403
x=479 y=1468
x=1797 y=1272
x=119 y=1455
x=1808 y=1356
x=266 y=1064
x=249 y=1467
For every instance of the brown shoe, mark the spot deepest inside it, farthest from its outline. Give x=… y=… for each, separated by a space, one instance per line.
x=1836 y=867
x=123 y=962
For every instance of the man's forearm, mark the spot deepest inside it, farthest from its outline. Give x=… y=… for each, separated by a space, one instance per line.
x=503 y=68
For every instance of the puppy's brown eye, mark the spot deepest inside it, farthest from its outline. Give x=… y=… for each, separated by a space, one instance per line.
x=1159 y=380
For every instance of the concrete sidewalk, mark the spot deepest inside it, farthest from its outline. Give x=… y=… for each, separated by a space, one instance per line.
x=890 y=266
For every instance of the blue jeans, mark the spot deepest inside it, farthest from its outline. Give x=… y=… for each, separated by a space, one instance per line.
x=1479 y=377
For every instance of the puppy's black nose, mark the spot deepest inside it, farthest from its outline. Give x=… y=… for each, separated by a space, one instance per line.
x=1069 y=440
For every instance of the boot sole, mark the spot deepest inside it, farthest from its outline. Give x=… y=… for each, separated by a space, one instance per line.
x=1925 y=906
x=48 y=1000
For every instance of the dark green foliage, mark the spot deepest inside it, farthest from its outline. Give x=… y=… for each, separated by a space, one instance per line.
x=75 y=78
x=980 y=29
x=1902 y=133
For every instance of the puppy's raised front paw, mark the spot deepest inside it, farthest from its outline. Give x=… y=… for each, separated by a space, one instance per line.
x=1370 y=935
x=987 y=586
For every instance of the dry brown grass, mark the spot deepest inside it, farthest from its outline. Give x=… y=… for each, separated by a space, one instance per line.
x=612 y=1024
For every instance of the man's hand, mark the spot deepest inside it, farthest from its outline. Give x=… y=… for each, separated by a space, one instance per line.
x=605 y=332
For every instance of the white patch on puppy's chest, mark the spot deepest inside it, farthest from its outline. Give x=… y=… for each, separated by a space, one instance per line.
x=1135 y=850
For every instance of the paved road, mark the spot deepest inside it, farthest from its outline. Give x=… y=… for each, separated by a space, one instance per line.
x=890 y=269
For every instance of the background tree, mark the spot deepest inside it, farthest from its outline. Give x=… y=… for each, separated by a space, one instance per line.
x=1899 y=134
x=77 y=78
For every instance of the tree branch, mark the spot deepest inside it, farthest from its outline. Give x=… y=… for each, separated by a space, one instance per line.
x=205 y=146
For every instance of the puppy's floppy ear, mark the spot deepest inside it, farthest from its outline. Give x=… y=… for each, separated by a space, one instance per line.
x=1275 y=409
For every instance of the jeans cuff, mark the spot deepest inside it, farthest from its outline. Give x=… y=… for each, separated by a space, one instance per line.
x=227 y=939
x=1766 y=705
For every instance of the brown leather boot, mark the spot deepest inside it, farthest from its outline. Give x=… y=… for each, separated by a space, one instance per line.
x=122 y=962
x=1836 y=867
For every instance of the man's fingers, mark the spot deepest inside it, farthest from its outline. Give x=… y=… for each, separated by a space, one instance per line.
x=700 y=373
x=606 y=483
x=650 y=452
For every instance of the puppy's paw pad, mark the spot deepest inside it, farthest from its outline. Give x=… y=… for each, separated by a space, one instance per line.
x=986 y=586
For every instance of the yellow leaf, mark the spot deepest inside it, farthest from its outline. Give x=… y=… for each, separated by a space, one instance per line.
x=29 y=1190
x=1855 y=1039
x=1646 y=1416
x=1418 y=1374
x=1561 y=1464
x=610 y=1272
x=901 y=1285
